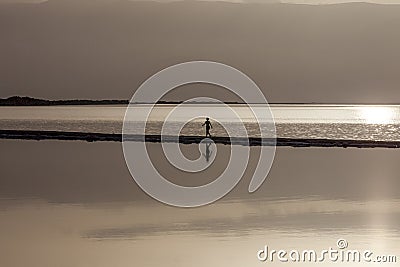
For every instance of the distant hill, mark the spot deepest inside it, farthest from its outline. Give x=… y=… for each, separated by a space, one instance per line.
x=60 y=49
x=29 y=101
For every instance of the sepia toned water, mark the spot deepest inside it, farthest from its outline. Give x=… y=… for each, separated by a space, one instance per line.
x=72 y=203
x=358 y=122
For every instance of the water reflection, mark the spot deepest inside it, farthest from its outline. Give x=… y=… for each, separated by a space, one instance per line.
x=227 y=233
x=294 y=121
x=247 y=218
x=74 y=204
x=378 y=115
x=208 y=153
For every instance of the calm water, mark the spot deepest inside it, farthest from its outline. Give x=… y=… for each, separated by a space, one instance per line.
x=68 y=203
x=294 y=121
x=75 y=204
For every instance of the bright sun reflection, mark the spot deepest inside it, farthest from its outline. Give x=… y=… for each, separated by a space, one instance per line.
x=377 y=115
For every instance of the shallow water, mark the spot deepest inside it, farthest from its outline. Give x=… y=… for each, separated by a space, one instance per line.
x=75 y=204
x=294 y=121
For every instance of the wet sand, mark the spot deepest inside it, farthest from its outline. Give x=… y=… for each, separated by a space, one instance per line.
x=252 y=141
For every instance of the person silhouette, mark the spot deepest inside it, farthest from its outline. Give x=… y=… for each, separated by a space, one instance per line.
x=208 y=125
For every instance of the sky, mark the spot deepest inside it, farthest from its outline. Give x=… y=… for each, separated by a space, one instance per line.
x=313 y=2
x=295 y=53
x=340 y=1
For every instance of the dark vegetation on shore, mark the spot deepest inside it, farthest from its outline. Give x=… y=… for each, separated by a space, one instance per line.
x=30 y=101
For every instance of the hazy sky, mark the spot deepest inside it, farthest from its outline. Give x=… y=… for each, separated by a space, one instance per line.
x=258 y=1
x=295 y=53
x=341 y=1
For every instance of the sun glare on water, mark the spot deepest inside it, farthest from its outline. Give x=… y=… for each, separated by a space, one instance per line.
x=377 y=115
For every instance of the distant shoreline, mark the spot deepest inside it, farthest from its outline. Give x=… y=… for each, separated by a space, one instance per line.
x=20 y=101
x=29 y=101
x=251 y=141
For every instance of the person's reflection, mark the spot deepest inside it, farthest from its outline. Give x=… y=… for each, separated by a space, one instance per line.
x=207 y=156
